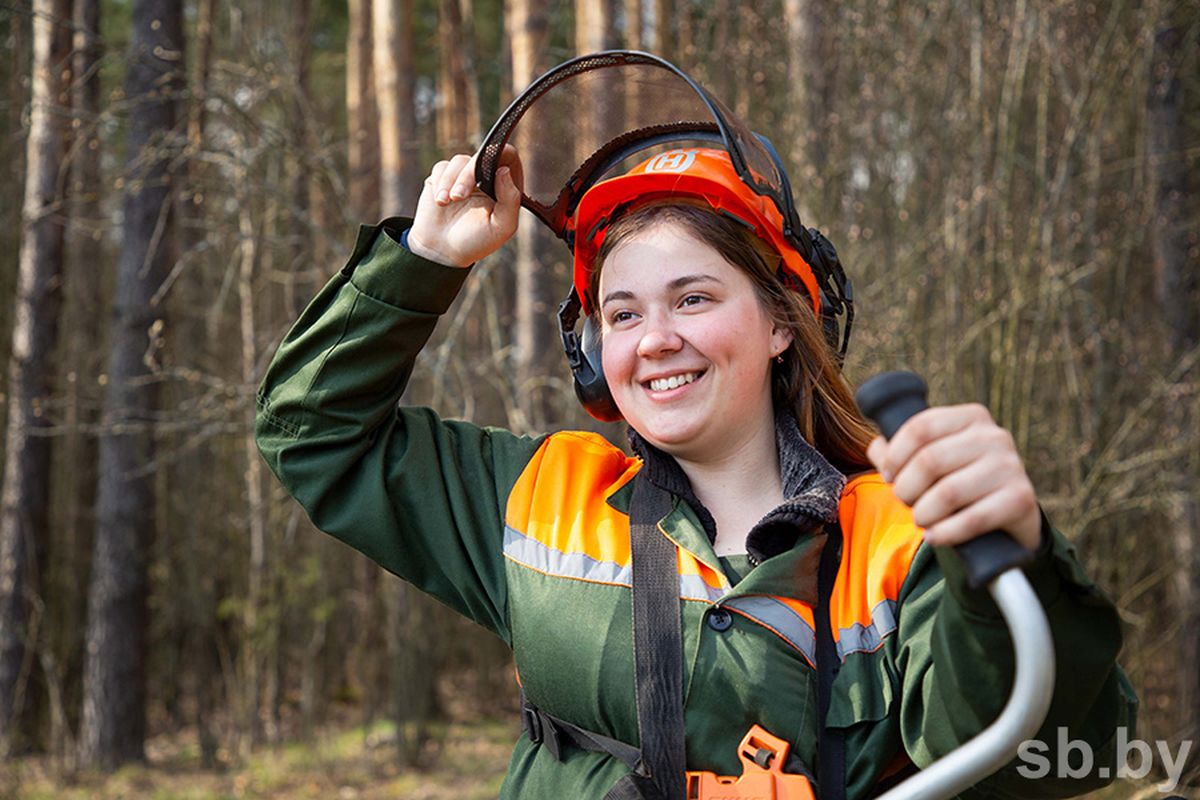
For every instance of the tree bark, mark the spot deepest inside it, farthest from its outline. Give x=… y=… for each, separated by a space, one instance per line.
x=197 y=113
x=1177 y=282
x=632 y=10
x=599 y=118
x=254 y=634
x=83 y=281
x=114 y=697
x=362 y=115
x=664 y=29
x=411 y=649
x=300 y=287
x=811 y=65
x=528 y=30
x=24 y=504
x=454 y=114
x=395 y=91
x=475 y=129
x=362 y=661
x=86 y=260
x=197 y=470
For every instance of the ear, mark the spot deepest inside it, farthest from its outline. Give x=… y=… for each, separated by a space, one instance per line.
x=781 y=339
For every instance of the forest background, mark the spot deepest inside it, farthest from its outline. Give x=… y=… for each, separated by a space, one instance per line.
x=1011 y=185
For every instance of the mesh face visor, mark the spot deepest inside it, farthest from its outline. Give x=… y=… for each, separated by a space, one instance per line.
x=596 y=116
x=582 y=120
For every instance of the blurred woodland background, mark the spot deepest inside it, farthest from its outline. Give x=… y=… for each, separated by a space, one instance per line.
x=1011 y=185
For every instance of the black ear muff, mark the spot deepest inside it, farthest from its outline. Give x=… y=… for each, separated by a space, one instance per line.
x=585 y=357
x=591 y=387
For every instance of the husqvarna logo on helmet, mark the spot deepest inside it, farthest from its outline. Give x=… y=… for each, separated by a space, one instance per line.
x=672 y=161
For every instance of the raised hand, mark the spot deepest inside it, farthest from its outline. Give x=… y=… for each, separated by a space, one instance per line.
x=456 y=224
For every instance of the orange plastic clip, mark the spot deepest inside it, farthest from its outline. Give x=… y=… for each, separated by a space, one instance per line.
x=762 y=756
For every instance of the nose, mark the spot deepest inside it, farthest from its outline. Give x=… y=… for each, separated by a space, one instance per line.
x=659 y=338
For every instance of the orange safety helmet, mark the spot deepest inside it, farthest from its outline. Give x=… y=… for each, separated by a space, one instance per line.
x=657 y=105
x=700 y=173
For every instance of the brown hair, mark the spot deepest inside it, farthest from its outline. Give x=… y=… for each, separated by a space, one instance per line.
x=809 y=382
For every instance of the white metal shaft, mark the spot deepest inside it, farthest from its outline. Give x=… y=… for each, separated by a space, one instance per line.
x=1033 y=686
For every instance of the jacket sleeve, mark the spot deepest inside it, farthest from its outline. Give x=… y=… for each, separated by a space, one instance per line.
x=955 y=662
x=421 y=496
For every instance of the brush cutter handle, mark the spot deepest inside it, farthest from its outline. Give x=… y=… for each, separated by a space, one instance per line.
x=889 y=399
x=992 y=560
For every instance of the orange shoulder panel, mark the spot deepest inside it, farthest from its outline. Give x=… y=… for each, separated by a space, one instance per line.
x=560 y=500
x=879 y=542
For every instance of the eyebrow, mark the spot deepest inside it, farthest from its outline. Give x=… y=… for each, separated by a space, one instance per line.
x=676 y=284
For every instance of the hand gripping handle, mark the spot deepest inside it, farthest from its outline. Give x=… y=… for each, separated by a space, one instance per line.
x=889 y=399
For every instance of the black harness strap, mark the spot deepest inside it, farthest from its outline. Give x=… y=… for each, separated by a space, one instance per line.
x=657 y=652
x=831 y=743
x=658 y=768
x=553 y=733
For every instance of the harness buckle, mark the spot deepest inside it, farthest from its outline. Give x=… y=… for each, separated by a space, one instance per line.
x=541 y=729
x=531 y=723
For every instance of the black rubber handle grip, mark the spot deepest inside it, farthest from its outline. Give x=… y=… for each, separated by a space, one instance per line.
x=889 y=399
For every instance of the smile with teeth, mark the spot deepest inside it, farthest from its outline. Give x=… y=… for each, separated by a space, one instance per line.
x=673 y=382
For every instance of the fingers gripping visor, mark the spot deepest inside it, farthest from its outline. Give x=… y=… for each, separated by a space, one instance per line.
x=704 y=174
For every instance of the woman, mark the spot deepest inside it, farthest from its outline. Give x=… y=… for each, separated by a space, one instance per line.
x=714 y=355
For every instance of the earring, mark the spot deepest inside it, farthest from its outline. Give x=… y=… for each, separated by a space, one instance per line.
x=779 y=358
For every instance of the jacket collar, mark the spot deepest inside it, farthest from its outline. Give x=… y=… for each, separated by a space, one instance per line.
x=811 y=485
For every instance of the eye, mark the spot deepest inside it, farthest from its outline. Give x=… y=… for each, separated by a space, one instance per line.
x=693 y=299
x=617 y=317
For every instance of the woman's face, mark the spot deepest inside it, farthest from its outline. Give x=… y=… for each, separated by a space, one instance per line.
x=687 y=345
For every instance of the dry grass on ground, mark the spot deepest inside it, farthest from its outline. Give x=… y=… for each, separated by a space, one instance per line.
x=345 y=764
x=339 y=764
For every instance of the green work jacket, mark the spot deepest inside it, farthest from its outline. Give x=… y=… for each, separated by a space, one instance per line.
x=529 y=537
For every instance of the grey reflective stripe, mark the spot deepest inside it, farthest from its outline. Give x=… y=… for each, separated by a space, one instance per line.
x=778 y=617
x=531 y=553
x=860 y=638
x=693 y=587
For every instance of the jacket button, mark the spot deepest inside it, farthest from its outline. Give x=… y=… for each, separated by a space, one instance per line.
x=720 y=620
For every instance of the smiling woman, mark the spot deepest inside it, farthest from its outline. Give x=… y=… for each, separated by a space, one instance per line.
x=803 y=373
x=687 y=346
x=800 y=601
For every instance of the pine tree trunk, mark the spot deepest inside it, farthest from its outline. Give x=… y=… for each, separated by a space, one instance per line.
x=300 y=286
x=24 y=504
x=600 y=120
x=475 y=130
x=86 y=260
x=1177 y=283
x=362 y=115
x=254 y=634
x=395 y=91
x=454 y=131
x=197 y=469
x=528 y=29
x=811 y=65
x=411 y=647
x=114 y=696
x=664 y=29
